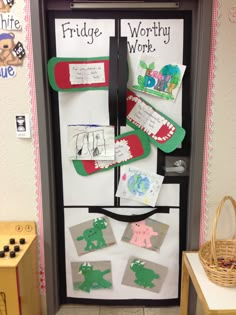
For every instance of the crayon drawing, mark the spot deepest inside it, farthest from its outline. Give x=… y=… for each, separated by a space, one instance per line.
x=158 y=79
x=140 y=185
x=91 y=142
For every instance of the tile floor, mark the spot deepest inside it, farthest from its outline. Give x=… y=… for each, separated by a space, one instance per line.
x=114 y=310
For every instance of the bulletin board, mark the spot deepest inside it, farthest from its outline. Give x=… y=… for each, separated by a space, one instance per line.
x=88 y=183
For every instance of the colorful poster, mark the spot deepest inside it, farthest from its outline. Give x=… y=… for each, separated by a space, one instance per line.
x=157 y=78
x=91 y=142
x=148 y=234
x=139 y=185
x=95 y=275
x=92 y=235
x=144 y=274
x=11 y=55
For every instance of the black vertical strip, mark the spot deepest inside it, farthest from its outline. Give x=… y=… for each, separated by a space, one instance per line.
x=113 y=81
x=122 y=82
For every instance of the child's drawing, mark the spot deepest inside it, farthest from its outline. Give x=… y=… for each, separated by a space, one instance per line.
x=140 y=185
x=91 y=142
x=144 y=274
x=92 y=235
x=158 y=79
x=88 y=276
x=142 y=234
x=148 y=234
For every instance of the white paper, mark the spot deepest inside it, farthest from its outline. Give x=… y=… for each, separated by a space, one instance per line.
x=166 y=43
x=87 y=73
x=140 y=185
x=91 y=142
x=146 y=117
x=122 y=154
x=120 y=253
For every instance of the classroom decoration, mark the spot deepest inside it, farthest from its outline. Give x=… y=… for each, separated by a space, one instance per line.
x=139 y=185
x=144 y=274
x=8 y=21
x=87 y=142
x=129 y=147
x=5 y=7
x=78 y=74
x=218 y=257
x=87 y=276
x=163 y=132
x=92 y=235
x=158 y=79
x=11 y=55
x=147 y=233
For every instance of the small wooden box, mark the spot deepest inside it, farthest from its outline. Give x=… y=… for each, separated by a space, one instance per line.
x=19 y=277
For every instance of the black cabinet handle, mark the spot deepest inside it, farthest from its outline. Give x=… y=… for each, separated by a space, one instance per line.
x=128 y=218
x=122 y=80
x=113 y=66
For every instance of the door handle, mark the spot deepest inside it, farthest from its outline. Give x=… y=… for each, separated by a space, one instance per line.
x=112 y=96
x=122 y=80
x=178 y=167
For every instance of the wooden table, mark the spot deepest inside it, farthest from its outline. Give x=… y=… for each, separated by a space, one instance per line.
x=215 y=299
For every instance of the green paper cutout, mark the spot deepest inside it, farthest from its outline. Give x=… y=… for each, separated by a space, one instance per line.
x=172 y=143
x=93 y=279
x=94 y=234
x=144 y=276
x=79 y=167
x=51 y=65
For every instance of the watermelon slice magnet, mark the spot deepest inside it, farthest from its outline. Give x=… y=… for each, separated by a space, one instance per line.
x=162 y=131
x=129 y=147
x=78 y=74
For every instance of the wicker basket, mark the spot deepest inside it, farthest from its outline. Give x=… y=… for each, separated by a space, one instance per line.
x=218 y=257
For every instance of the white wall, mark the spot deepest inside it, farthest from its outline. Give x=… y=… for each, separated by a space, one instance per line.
x=17 y=159
x=221 y=166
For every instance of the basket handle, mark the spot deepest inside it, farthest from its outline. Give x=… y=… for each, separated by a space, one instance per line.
x=213 y=236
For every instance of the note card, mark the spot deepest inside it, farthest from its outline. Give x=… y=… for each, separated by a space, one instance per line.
x=87 y=73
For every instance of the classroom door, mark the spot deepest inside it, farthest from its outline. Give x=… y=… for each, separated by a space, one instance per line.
x=88 y=113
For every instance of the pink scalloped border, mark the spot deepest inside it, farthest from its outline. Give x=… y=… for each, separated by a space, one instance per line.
x=34 y=122
x=208 y=126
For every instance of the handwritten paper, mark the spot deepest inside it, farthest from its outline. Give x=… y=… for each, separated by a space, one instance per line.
x=90 y=142
x=146 y=117
x=122 y=154
x=139 y=185
x=87 y=73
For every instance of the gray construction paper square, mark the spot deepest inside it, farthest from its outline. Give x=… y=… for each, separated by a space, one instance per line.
x=136 y=231
x=147 y=275
x=105 y=235
x=103 y=275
